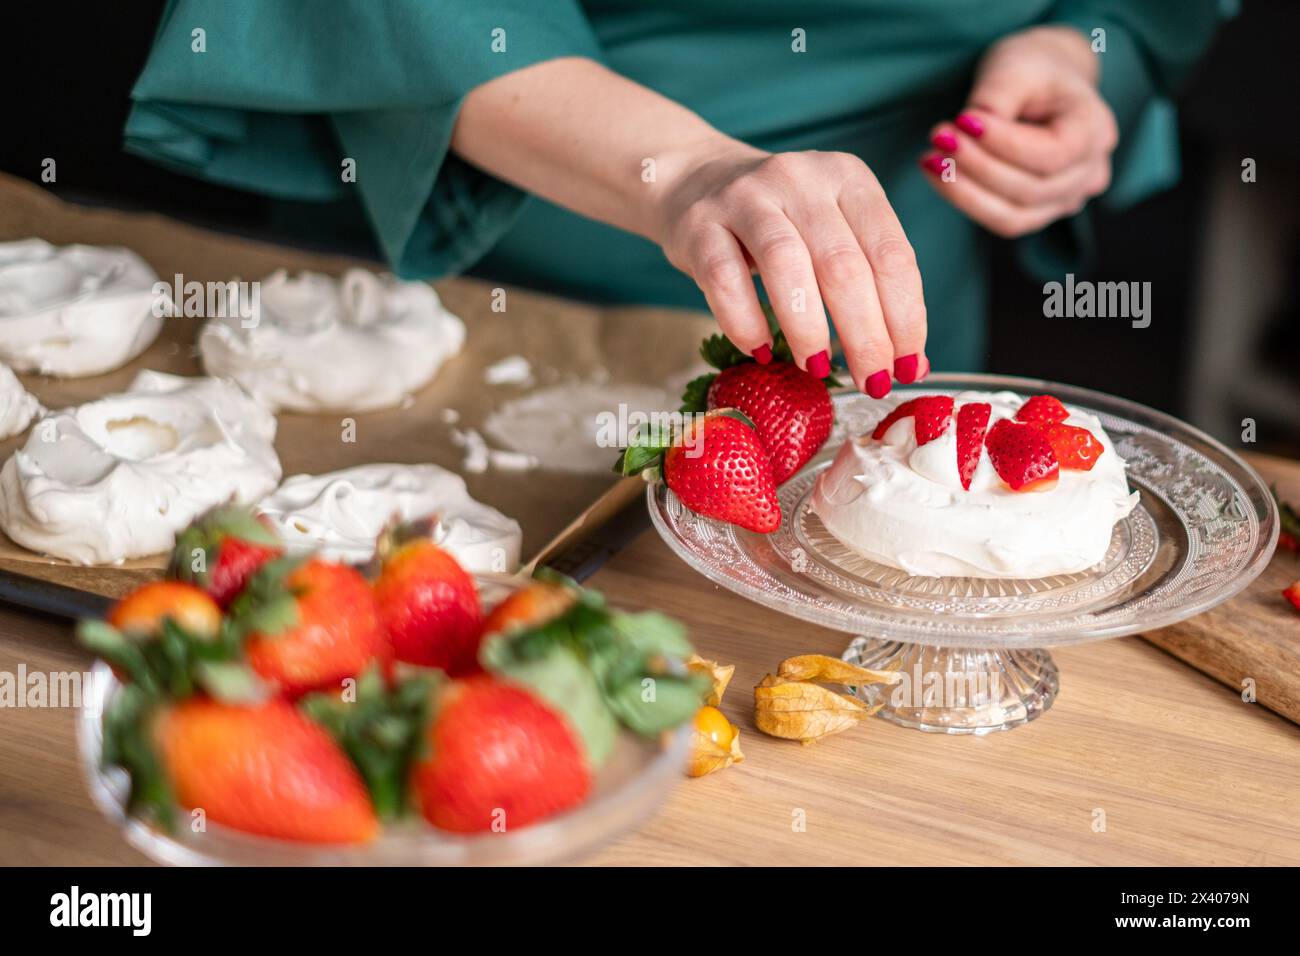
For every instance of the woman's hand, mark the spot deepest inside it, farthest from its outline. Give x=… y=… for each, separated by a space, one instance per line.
x=1034 y=142
x=819 y=231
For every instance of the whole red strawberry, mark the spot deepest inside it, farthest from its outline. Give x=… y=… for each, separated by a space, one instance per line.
x=1021 y=455
x=497 y=758
x=716 y=466
x=264 y=769
x=308 y=624
x=791 y=409
x=427 y=603
x=221 y=550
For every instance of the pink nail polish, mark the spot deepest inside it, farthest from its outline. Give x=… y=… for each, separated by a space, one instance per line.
x=905 y=369
x=762 y=354
x=971 y=125
x=819 y=365
x=945 y=141
x=877 y=385
x=934 y=163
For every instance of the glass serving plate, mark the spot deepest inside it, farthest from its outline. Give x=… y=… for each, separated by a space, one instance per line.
x=971 y=649
x=628 y=790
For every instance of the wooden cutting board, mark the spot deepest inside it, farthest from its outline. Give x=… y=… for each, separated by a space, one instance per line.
x=1252 y=641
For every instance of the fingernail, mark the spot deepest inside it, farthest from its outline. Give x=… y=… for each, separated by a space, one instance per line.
x=934 y=163
x=925 y=369
x=819 y=365
x=905 y=369
x=945 y=141
x=877 y=385
x=969 y=124
x=762 y=354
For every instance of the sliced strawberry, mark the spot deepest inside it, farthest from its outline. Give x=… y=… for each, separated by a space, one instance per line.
x=933 y=415
x=1292 y=594
x=1042 y=408
x=1021 y=455
x=1076 y=448
x=901 y=411
x=972 y=423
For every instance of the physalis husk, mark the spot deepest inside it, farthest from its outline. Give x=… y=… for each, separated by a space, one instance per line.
x=789 y=704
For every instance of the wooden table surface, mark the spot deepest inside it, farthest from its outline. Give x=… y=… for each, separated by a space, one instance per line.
x=1142 y=760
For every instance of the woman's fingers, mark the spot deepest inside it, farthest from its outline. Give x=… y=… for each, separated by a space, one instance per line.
x=997 y=214
x=718 y=266
x=1013 y=183
x=848 y=286
x=897 y=276
x=785 y=264
x=1084 y=129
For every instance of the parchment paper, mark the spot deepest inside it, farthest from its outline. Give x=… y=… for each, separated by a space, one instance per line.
x=564 y=341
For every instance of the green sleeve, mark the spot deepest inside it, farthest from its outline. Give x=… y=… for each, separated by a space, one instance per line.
x=1150 y=48
x=285 y=92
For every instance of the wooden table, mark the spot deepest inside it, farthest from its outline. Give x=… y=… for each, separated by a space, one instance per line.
x=1142 y=760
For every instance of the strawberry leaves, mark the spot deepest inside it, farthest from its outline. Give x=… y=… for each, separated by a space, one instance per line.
x=381 y=730
x=630 y=661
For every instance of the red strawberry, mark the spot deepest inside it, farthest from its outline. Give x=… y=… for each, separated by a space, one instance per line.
x=531 y=606
x=427 y=603
x=497 y=757
x=221 y=550
x=933 y=414
x=972 y=423
x=309 y=623
x=1287 y=542
x=790 y=409
x=1292 y=594
x=264 y=769
x=1075 y=448
x=1021 y=455
x=1042 y=408
x=716 y=465
x=902 y=410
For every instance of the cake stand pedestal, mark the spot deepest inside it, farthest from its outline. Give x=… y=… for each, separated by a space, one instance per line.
x=970 y=651
x=956 y=690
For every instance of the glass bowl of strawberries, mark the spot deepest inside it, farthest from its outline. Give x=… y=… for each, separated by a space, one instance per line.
x=257 y=707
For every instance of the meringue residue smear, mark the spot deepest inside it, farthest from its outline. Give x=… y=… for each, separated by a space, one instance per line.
x=75 y=310
x=903 y=505
x=318 y=344
x=118 y=477
x=17 y=405
x=340 y=514
x=574 y=427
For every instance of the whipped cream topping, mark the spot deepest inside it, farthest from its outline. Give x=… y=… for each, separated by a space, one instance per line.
x=75 y=310
x=340 y=514
x=903 y=505
x=118 y=477
x=17 y=406
x=316 y=343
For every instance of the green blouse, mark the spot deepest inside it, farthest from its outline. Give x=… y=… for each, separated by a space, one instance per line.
x=276 y=97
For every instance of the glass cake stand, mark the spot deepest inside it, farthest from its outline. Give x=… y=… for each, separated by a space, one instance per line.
x=971 y=651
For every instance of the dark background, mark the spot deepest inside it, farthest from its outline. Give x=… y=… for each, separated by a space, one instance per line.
x=70 y=69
